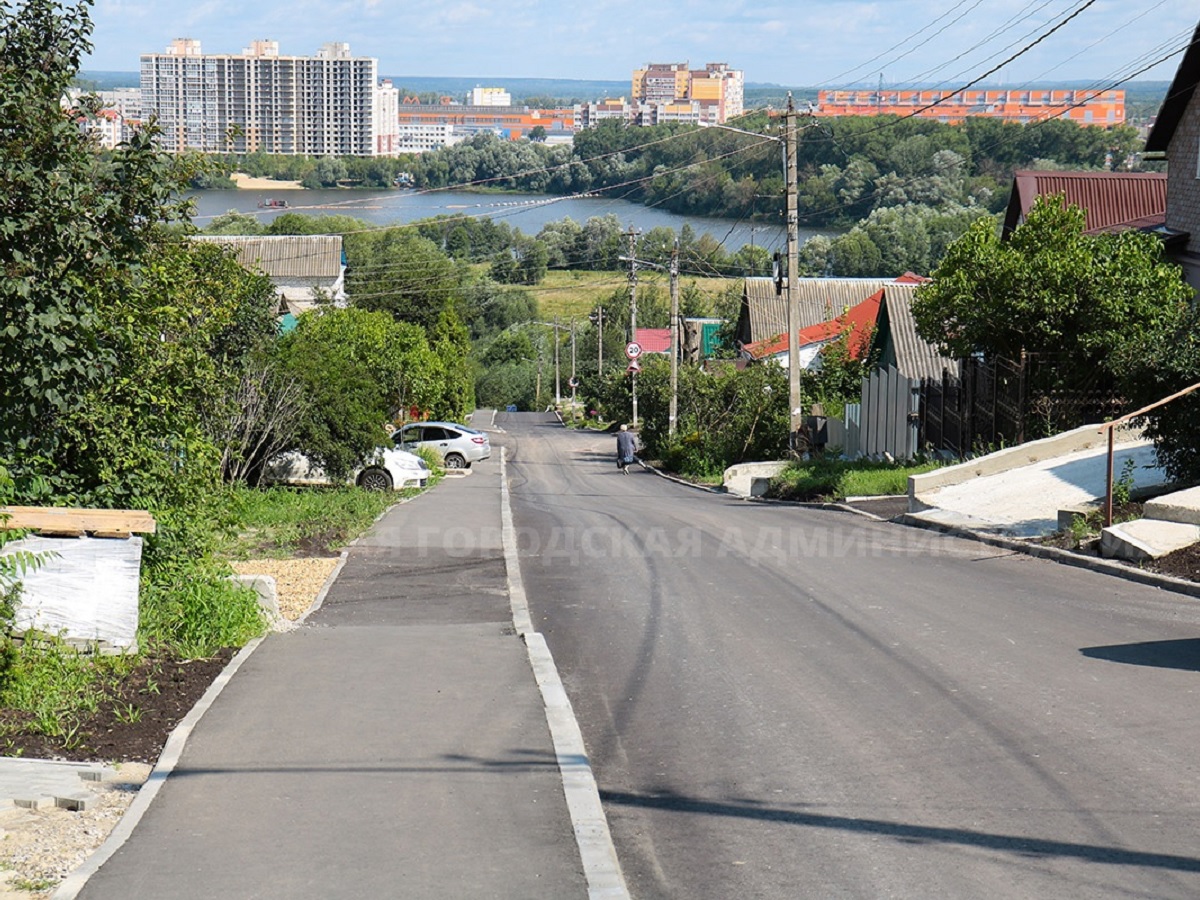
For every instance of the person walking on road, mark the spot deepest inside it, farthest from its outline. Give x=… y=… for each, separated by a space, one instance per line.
x=625 y=449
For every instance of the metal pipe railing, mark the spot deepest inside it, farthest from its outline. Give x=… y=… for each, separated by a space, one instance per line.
x=1112 y=427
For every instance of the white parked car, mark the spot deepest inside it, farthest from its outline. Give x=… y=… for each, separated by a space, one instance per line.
x=389 y=469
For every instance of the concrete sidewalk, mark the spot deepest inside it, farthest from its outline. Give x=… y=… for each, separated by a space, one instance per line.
x=397 y=745
x=1024 y=501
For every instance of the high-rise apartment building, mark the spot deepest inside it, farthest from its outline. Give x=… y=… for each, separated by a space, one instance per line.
x=713 y=94
x=259 y=101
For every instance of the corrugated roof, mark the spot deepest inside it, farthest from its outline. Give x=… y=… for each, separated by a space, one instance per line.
x=1113 y=201
x=861 y=318
x=1178 y=97
x=286 y=256
x=915 y=357
x=764 y=313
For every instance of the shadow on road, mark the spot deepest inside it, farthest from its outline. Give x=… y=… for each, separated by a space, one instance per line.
x=1181 y=654
x=909 y=833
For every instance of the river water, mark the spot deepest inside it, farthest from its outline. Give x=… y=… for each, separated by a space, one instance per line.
x=528 y=212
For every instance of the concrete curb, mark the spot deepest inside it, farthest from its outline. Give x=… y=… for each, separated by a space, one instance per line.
x=597 y=853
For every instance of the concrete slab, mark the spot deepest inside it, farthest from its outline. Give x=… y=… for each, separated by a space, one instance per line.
x=1024 y=501
x=41 y=783
x=1180 y=506
x=1144 y=539
x=740 y=479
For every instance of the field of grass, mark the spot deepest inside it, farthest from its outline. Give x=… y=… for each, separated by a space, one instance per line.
x=573 y=294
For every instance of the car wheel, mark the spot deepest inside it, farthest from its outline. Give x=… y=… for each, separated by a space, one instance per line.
x=375 y=479
x=455 y=461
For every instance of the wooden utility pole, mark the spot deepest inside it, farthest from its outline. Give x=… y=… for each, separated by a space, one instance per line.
x=599 y=343
x=672 y=414
x=793 y=266
x=557 y=383
x=633 y=314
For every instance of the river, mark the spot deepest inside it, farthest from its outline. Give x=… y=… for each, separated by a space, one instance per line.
x=528 y=212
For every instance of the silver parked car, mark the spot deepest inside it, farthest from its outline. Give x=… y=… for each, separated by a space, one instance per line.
x=457 y=445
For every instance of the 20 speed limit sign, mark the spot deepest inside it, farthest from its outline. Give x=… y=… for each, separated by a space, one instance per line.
x=633 y=349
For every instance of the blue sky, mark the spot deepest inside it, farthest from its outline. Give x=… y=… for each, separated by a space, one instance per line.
x=817 y=43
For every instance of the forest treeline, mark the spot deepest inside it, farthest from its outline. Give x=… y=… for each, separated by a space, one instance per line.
x=901 y=190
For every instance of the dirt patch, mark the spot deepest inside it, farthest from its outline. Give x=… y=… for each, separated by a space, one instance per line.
x=132 y=722
x=1183 y=563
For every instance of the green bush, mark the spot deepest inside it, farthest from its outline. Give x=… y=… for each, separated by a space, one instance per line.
x=726 y=415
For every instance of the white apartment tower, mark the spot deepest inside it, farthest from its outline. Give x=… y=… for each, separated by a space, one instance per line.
x=262 y=102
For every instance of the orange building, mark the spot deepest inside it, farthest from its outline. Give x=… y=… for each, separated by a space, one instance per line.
x=1106 y=108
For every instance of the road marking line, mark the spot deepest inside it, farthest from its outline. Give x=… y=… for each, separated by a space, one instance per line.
x=596 y=851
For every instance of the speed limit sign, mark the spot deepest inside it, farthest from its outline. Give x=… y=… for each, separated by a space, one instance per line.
x=633 y=349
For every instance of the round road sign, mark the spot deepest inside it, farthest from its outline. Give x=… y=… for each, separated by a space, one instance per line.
x=633 y=349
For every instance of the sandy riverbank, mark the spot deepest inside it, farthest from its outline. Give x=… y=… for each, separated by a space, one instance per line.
x=246 y=182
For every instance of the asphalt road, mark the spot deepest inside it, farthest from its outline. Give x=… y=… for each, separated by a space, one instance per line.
x=785 y=702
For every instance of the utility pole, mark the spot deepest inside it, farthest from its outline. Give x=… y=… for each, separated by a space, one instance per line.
x=574 y=381
x=633 y=313
x=673 y=413
x=793 y=266
x=557 y=385
x=599 y=342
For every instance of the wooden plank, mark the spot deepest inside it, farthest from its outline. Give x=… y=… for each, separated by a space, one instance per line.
x=62 y=520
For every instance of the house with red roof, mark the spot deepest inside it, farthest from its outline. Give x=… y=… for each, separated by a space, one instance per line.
x=1111 y=201
x=859 y=320
x=654 y=340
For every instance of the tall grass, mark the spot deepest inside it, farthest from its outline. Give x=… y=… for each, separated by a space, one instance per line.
x=835 y=479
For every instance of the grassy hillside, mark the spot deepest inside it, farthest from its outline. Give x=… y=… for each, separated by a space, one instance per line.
x=573 y=294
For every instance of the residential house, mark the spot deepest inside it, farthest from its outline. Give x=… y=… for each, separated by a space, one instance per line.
x=654 y=340
x=764 y=314
x=860 y=320
x=1176 y=136
x=897 y=343
x=303 y=268
x=1112 y=201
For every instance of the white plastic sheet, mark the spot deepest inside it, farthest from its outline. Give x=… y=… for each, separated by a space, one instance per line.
x=86 y=591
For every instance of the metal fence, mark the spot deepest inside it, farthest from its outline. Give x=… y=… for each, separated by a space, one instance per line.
x=987 y=404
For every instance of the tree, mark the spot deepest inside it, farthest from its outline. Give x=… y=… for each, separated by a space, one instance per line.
x=234 y=222
x=75 y=228
x=1048 y=289
x=1099 y=311
x=403 y=274
x=359 y=369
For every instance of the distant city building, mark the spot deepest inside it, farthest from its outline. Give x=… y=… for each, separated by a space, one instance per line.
x=416 y=136
x=262 y=102
x=490 y=96
x=119 y=115
x=1085 y=107
x=421 y=123
x=387 y=119
x=673 y=92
